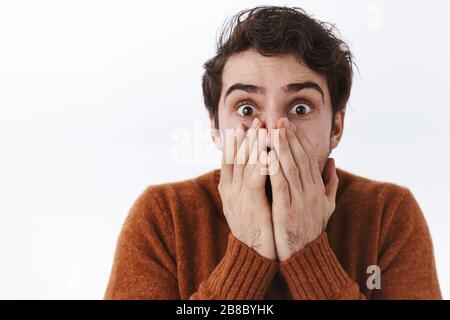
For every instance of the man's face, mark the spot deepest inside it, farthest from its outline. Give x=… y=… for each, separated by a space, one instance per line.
x=271 y=88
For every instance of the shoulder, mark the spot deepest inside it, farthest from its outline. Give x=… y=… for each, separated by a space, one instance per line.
x=187 y=190
x=359 y=189
x=185 y=195
x=385 y=201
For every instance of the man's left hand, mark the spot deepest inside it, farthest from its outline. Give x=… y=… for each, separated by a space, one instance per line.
x=302 y=201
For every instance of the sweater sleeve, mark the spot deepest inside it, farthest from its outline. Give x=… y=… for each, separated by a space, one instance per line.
x=315 y=273
x=242 y=274
x=406 y=262
x=145 y=265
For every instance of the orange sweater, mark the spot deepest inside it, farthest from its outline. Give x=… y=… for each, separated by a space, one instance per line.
x=176 y=244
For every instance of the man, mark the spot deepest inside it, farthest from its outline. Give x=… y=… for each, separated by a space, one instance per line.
x=278 y=220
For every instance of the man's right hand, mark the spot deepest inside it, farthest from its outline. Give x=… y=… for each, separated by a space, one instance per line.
x=242 y=189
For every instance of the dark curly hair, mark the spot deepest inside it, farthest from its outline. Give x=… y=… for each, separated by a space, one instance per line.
x=274 y=30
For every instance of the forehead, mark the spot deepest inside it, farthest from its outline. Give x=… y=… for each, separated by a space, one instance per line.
x=271 y=72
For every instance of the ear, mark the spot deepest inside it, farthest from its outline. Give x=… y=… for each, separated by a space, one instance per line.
x=338 y=128
x=215 y=134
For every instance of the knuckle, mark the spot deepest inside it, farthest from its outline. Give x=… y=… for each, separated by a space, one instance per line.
x=321 y=188
x=252 y=185
x=282 y=187
x=310 y=197
x=304 y=158
x=332 y=207
x=293 y=171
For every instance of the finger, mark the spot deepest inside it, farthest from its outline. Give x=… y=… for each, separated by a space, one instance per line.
x=226 y=172
x=244 y=150
x=252 y=163
x=331 y=180
x=238 y=159
x=252 y=155
x=299 y=154
x=280 y=186
x=289 y=167
x=260 y=170
x=249 y=141
x=311 y=153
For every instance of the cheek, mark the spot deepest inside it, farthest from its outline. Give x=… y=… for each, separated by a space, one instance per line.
x=320 y=141
x=226 y=121
x=229 y=120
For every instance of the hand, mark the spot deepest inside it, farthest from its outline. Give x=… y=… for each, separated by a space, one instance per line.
x=302 y=204
x=242 y=190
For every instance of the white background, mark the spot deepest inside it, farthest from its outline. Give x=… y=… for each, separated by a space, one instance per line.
x=99 y=99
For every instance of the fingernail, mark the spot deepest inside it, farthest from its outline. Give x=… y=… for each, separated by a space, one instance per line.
x=285 y=122
x=255 y=123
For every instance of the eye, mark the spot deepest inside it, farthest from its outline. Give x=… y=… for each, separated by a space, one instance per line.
x=245 y=110
x=301 y=108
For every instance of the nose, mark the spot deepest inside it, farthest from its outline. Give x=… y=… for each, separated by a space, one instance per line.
x=271 y=116
x=270 y=121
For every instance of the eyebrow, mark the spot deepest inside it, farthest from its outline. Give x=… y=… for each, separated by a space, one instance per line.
x=292 y=87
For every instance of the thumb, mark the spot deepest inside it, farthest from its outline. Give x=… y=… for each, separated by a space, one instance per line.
x=330 y=179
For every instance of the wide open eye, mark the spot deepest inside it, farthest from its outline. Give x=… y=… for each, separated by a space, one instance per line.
x=245 y=110
x=300 y=109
